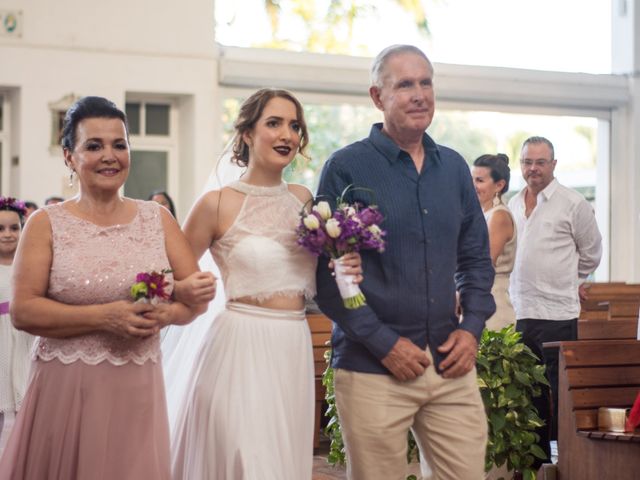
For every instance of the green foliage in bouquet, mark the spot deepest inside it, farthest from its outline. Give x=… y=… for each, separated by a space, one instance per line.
x=509 y=377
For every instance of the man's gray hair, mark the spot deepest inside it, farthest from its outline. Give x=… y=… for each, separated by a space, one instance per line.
x=538 y=140
x=380 y=61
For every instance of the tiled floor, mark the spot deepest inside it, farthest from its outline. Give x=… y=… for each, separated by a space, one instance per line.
x=323 y=471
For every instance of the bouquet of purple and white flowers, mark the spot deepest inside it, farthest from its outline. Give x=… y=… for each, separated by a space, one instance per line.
x=349 y=228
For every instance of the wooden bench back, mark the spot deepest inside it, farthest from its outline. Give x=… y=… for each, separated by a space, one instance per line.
x=600 y=374
x=618 y=328
x=320 y=327
x=593 y=374
x=615 y=292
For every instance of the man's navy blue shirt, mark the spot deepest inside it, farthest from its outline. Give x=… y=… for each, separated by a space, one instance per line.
x=437 y=242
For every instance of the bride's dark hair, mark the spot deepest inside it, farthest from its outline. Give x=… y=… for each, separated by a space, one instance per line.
x=250 y=112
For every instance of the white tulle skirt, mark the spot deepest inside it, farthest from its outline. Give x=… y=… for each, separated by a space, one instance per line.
x=248 y=409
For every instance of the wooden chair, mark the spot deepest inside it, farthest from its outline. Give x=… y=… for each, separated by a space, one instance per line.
x=593 y=374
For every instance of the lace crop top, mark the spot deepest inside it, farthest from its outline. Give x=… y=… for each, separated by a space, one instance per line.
x=259 y=256
x=93 y=265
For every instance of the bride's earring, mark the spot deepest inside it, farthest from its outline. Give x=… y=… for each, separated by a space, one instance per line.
x=496 y=199
x=71 y=178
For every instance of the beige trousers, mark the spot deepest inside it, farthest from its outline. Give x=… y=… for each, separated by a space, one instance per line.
x=446 y=416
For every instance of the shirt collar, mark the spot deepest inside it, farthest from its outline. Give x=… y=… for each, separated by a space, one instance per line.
x=547 y=192
x=550 y=189
x=392 y=152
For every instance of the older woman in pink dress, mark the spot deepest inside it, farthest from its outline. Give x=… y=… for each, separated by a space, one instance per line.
x=95 y=407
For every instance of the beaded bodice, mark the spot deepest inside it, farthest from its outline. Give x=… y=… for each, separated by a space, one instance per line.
x=259 y=256
x=94 y=264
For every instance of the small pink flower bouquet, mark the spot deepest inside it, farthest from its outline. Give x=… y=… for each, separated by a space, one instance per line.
x=150 y=287
x=347 y=229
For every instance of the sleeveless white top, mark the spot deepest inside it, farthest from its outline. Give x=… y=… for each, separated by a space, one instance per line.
x=259 y=256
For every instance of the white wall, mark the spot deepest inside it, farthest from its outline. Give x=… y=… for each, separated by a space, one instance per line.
x=155 y=27
x=109 y=49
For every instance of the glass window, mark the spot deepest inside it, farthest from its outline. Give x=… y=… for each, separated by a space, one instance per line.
x=522 y=34
x=133 y=117
x=575 y=140
x=471 y=133
x=148 y=172
x=156 y=119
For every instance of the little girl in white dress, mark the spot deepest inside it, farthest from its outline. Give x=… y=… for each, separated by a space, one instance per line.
x=15 y=345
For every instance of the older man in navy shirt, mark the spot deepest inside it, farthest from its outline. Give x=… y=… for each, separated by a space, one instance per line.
x=405 y=360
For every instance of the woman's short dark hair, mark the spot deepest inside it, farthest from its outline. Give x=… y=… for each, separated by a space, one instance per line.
x=88 y=107
x=251 y=110
x=498 y=166
x=172 y=207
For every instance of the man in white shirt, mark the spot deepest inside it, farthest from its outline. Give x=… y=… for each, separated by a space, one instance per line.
x=559 y=245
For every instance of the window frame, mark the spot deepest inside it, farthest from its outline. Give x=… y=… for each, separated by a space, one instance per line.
x=144 y=142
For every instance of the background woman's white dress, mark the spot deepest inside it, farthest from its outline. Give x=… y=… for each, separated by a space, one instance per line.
x=15 y=359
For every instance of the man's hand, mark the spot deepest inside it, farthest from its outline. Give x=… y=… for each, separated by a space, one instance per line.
x=583 y=292
x=406 y=360
x=462 y=349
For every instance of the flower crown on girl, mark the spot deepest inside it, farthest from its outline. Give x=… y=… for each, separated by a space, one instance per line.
x=10 y=203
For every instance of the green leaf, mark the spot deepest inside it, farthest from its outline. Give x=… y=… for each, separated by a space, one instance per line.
x=522 y=378
x=538 y=452
x=497 y=421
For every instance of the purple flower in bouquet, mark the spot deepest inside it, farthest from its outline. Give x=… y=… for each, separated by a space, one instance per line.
x=348 y=228
x=370 y=216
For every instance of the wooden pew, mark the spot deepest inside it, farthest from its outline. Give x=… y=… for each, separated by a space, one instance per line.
x=597 y=373
x=617 y=328
x=622 y=309
x=599 y=293
x=320 y=327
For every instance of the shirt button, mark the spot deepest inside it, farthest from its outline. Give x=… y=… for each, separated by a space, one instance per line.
x=432 y=300
x=425 y=211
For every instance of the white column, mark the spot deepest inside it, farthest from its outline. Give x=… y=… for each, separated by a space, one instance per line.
x=625 y=145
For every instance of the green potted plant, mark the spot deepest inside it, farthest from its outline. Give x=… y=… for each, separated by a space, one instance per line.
x=509 y=377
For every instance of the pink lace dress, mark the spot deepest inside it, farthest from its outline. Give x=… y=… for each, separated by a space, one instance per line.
x=248 y=410
x=95 y=407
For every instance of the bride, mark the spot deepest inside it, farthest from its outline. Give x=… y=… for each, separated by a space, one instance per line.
x=247 y=412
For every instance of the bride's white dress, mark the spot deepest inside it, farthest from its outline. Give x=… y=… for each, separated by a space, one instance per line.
x=247 y=413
